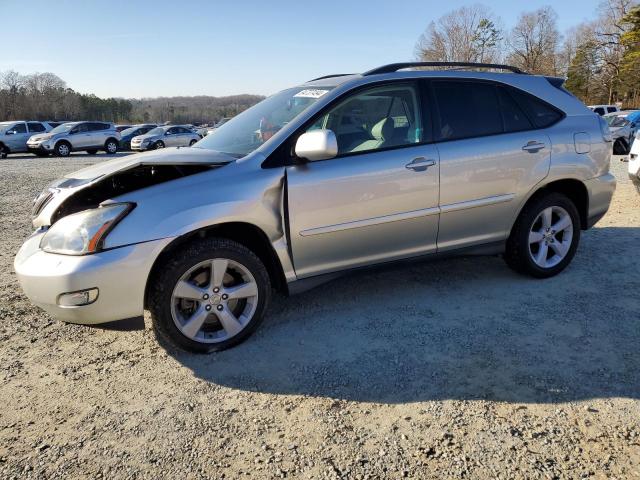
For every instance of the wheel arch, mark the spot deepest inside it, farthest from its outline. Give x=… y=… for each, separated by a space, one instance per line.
x=572 y=188
x=111 y=138
x=247 y=234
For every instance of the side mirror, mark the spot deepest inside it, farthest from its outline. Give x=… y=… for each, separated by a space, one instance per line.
x=167 y=133
x=11 y=132
x=317 y=145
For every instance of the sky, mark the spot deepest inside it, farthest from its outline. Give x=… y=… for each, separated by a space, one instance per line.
x=146 y=48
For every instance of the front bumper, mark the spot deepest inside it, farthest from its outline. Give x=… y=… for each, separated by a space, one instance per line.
x=139 y=147
x=600 y=190
x=43 y=147
x=120 y=275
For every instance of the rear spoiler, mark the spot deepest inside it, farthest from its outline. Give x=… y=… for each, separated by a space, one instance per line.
x=557 y=82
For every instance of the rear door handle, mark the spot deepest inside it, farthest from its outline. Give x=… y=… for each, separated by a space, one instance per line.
x=533 y=146
x=420 y=164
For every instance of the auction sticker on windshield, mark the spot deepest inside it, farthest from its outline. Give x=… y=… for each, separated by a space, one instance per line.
x=313 y=93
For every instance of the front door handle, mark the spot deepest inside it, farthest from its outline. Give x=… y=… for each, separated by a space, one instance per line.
x=420 y=164
x=533 y=146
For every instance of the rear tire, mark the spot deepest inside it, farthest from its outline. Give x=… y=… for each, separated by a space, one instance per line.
x=620 y=147
x=545 y=237
x=62 y=149
x=4 y=151
x=192 y=284
x=111 y=146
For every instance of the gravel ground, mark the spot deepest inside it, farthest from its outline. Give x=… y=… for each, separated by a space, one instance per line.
x=451 y=369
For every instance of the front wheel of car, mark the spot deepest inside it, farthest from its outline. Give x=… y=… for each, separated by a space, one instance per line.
x=545 y=237
x=209 y=296
x=192 y=142
x=158 y=144
x=620 y=147
x=62 y=149
x=4 y=151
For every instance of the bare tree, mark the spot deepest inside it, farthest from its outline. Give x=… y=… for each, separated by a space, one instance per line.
x=468 y=34
x=534 y=42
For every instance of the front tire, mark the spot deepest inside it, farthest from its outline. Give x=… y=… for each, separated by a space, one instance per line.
x=158 y=144
x=62 y=149
x=4 y=151
x=209 y=296
x=620 y=147
x=545 y=237
x=192 y=142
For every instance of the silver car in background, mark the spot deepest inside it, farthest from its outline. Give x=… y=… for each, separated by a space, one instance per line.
x=340 y=173
x=15 y=134
x=623 y=130
x=76 y=136
x=165 y=136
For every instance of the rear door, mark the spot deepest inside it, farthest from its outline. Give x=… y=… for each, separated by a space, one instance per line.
x=492 y=153
x=16 y=137
x=378 y=199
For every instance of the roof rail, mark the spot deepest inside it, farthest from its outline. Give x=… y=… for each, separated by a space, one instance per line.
x=394 y=67
x=330 y=76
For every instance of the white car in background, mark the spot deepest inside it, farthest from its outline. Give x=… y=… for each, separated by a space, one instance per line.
x=634 y=163
x=623 y=126
x=603 y=109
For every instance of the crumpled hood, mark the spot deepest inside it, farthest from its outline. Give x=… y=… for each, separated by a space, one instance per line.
x=90 y=186
x=165 y=156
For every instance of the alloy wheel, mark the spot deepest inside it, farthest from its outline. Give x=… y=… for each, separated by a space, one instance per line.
x=214 y=300
x=550 y=237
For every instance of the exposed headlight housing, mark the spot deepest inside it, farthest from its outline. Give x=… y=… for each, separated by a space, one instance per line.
x=84 y=232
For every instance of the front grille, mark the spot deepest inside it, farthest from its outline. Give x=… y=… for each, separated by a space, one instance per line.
x=40 y=202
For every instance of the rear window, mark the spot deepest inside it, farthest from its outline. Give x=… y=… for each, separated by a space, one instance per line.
x=541 y=114
x=599 y=110
x=611 y=109
x=513 y=116
x=466 y=109
x=36 y=127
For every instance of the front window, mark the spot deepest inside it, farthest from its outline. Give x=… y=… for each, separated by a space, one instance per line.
x=246 y=132
x=64 y=128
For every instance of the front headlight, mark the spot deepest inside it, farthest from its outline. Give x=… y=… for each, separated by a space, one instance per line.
x=84 y=232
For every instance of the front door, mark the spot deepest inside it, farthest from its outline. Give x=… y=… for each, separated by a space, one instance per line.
x=378 y=199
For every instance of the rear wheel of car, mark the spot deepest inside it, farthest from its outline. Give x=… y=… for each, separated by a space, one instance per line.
x=4 y=151
x=192 y=142
x=620 y=147
x=158 y=144
x=111 y=146
x=209 y=296
x=545 y=237
x=62 y=149
x=92 y=152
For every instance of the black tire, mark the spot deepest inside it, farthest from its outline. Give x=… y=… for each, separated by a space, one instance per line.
x=517 y=254
x=620 y=147
x=60 y=151
x=111 y=146
x=92 y=152
x=4 y=151
x=192 y=142
x=158 y=144
x=175 y=265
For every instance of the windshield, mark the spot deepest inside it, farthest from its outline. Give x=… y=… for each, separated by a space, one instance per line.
x=5 y=125
x=244 y=133
x=65 y=127
x=616 y=121
x=129 y=131
x=156 y=131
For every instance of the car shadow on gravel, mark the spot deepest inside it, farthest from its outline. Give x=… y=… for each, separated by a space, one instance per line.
x=465 y=328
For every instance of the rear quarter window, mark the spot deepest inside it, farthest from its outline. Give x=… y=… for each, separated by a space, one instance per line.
x=539 y=112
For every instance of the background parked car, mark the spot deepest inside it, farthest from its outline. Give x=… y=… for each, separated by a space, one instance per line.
x=127 y=135
x=623 y=127
x=120 y=128
x=603 y=109
x=14 y=135
x=217 y=125
x=166 y=136
x=75 y=136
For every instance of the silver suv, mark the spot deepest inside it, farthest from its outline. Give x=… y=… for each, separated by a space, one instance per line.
x=166 y=136
x=76 y=136
x=340 y=173
x=14 y=135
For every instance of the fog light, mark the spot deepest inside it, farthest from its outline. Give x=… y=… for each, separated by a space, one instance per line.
x=77 y=299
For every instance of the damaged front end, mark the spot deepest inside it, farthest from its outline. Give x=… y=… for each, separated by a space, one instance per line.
x=76 y=193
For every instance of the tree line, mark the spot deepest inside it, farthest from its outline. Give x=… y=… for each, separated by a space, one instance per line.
x=45 y=96
x=600 y=58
